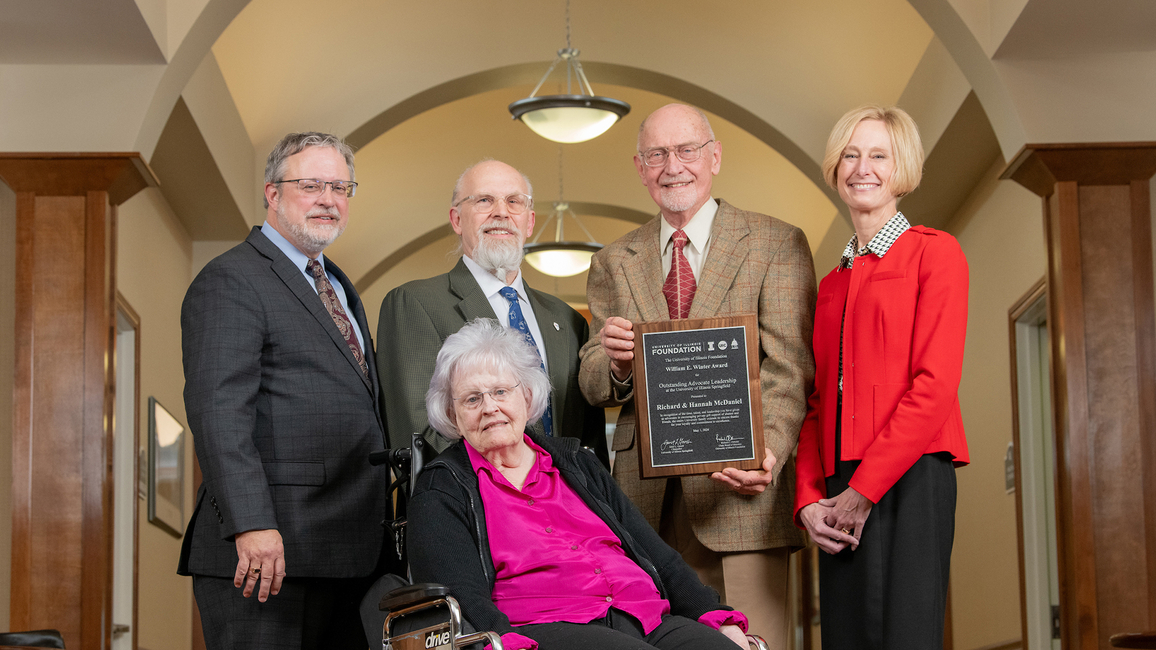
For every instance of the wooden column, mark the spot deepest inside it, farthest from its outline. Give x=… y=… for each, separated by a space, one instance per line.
x=63 y=392
x=1103 y=336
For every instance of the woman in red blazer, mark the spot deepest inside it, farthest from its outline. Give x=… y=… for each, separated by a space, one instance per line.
x=875 y=481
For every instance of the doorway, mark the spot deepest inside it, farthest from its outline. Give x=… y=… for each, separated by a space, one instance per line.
x=126 y=476
x=1035 y=469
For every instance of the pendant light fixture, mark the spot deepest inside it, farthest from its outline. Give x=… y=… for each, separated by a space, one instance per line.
x=561 y=258
x=570 y=117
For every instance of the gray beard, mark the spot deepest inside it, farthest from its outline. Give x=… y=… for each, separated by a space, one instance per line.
x=678 y=200
x=312 y=242
x=497 y=257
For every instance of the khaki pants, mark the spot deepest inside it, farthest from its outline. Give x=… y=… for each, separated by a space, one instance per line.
x=755 y=582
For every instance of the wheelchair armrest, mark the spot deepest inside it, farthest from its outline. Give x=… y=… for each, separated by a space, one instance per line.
x=410 y=595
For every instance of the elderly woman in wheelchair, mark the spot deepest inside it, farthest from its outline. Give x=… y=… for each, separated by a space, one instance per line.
x=531 y=535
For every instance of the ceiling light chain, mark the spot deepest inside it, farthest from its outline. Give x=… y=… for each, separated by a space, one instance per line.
x=569 y=117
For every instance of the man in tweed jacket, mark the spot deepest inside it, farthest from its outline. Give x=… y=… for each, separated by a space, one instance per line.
x=282 y=398
x=734 y=527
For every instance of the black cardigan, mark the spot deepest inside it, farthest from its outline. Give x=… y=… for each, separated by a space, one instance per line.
x=448 y=544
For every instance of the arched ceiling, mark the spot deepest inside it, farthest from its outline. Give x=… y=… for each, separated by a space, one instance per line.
x=798 y=65
x=423 y=87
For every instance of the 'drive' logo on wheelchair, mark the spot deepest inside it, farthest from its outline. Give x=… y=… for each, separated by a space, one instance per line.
x=436 y=640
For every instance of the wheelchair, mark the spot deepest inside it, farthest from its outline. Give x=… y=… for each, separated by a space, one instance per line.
x=423 y=616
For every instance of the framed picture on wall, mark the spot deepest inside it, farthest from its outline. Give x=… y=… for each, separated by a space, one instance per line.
x=166 y=469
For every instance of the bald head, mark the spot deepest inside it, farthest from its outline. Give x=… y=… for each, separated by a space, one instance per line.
x=680 y=113
x=488 y=163
x=679 y=187
x=490 y=233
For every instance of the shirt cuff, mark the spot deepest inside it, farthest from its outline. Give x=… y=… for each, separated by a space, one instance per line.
x=622 y=389
x=720 y=617
x=515 y=641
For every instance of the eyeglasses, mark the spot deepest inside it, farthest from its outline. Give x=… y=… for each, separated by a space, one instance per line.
x=474 y=400
x=687 y=153
x=315 y=186
x=485 y=203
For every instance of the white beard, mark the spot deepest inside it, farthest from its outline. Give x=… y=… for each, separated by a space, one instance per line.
x=679 y=199
x=312 y=238
x=499 y=257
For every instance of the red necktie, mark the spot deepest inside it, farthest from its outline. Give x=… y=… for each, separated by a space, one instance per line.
x=679 y=286
x=333 y=306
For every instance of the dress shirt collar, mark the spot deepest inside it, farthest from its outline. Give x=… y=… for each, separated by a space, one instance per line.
x=298 y=258
x=697 y=229
x=490 y=283
x=879 y=244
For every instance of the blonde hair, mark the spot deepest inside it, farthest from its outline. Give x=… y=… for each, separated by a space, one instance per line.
x=905 y=144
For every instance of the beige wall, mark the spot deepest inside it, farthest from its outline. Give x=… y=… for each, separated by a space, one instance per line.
x=154 y=255
x=7 y=351
x=1000 y=228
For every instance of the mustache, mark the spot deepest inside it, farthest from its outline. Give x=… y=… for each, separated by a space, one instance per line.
x=330 y=211
x=499 y=222
x=677 y=179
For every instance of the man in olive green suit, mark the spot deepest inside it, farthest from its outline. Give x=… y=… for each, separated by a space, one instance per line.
x=734 y=527
x=492 y=213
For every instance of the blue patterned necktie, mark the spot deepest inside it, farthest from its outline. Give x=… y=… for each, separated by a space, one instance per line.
x=518 y=322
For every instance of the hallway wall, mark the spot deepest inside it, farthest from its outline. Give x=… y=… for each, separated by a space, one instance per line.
x=1000 y=228
x=154 y=254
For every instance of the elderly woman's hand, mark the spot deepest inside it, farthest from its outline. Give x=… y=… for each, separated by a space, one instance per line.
x=735 y=633
x=815 y=517
x=849 y=511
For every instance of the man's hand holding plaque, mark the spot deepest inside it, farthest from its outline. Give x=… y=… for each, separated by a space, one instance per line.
x=697 y=395
x=618 y=341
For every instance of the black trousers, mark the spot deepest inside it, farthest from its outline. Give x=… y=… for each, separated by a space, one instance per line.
x=308 y=614
x=621 y=631
x=891 y=593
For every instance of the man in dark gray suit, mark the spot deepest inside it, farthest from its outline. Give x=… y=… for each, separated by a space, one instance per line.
x=282 y=399
x=492 y=213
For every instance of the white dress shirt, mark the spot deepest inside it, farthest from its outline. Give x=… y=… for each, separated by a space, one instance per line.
x=698 y=234
x=491 y=285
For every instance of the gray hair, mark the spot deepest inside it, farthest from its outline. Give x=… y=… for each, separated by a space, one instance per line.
x=462 y=177
x=484 y=344
x=295 y=143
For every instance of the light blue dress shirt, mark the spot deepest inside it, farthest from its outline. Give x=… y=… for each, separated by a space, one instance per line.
x=300 y=260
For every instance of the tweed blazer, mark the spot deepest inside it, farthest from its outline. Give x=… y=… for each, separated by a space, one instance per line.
x=282 y=418
x=756 y=264
x=416 y=319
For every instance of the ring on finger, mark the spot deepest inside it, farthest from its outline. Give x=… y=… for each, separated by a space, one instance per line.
x=256 y=570
x=845 y=531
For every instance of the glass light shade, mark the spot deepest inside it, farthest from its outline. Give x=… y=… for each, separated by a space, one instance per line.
x=569 y=118
x=561 y=259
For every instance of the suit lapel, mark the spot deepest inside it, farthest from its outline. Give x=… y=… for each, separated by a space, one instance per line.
x=553 y=339
x=473 y=303
x=296 y=282
x=643 y=271
x=723 y=261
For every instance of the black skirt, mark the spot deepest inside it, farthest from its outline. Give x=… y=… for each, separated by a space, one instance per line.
x=891 y=593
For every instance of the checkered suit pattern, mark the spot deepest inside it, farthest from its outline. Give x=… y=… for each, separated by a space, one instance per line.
x=756 y=264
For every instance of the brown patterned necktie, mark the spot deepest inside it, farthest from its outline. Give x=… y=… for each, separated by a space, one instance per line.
x=333 y=306
x=679 y=286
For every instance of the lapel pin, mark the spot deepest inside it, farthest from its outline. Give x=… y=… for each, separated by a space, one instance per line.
x=556 y=328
